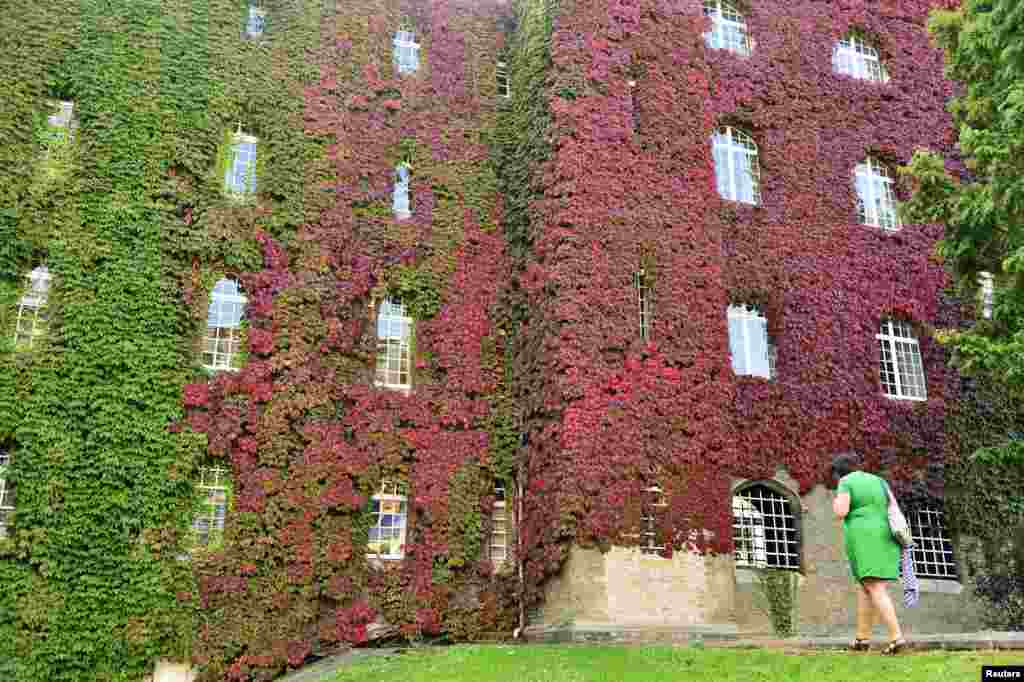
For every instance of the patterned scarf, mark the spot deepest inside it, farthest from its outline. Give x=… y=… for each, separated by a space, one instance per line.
x=910 y=586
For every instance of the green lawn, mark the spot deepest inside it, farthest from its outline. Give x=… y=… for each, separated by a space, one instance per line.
x=538 y=663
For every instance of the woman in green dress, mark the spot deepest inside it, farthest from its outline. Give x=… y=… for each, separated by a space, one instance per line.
x=862 y=503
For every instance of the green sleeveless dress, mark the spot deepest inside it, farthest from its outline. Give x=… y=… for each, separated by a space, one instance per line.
x=870 y=547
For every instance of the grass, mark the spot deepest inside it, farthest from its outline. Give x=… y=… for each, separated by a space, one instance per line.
x=540 y=663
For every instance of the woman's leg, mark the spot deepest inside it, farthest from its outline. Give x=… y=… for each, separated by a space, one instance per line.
x=880 y=599
x=865 y=614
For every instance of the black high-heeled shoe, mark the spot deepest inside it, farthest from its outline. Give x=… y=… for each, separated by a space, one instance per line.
x=859 y=645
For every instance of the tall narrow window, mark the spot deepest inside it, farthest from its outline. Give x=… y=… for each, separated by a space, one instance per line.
x=240 y=174
x=400 y=198
x=257 y=19
x=901 y=369
x=876 y=198
x=394 y=336
x=933 y=549
x=653 y=508
x=854 y=56
x=390 y=513
x=6 y=493
x=60 y=124
x=406 y=52
x=728 y=28
x=749 y=342
x=222 y=345
x=504 y=83
x=208 y=525
x=643 y=296
x=764 y=529
x=32 y=320
x=987 y=293
x=499 y=526
x=737 y=173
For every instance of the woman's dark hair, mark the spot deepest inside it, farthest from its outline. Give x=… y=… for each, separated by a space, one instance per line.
x=844 y=463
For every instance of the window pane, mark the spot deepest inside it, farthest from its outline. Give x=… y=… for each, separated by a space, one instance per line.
x=737 y=347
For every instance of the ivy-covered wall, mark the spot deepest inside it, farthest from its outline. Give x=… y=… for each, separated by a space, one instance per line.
x=110 y=418
x=528 y=222
x=616 y=143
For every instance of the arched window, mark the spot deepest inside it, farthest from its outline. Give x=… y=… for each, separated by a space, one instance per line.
x=728 y=29
x=400 y=199
x=854 y=56
x=876 y=197
x=406 y=52
x=901 y=369
x=764 y=528
x=221 y=347
x=240 y=173
x=394 y=346
x=933 y=549
x=737 y=173
x=32 y=320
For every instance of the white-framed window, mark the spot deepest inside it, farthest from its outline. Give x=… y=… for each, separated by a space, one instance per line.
x=208 y=526
x=240 y=174
x=854 y=56
x=406 y=52
x=504 y=82
x=257 y=21
x=499 y=526
x=986 y=293
x=737 y=173
x=222 y=344
x=6 y=493
x=394 y=346
x=900 y=366
x=643 y=299
x=32 y=320
x=390 y=512
x=60 y=124
x=876 y=195
x=728 y=28
x=400 y=196
x=764 y=529
x=933 y=548
x=750 y=347
x=653 y=508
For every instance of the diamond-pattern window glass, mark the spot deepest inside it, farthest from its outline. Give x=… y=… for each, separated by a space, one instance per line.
x=737 y=173
x=31 y=322
x=400 y=198
x=222 y=343
x=728 y=28
x=987 y=293
x=900 y=368
x=876 y=195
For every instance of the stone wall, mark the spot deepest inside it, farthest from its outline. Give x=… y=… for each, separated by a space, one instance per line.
x=623 y=588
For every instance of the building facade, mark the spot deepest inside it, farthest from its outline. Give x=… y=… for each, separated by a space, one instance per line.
x=335 y=321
